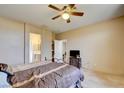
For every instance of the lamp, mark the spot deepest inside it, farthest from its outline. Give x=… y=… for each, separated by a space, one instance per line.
x=65 y=16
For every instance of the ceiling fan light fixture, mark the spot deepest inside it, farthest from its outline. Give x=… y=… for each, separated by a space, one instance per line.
x=65 y=16
x=66 y=12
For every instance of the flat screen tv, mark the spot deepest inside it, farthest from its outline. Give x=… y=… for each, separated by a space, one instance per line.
x=74 y=53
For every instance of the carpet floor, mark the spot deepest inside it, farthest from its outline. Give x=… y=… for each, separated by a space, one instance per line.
x=101 y=80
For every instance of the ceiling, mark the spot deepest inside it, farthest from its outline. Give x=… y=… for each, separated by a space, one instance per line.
x=40 y=15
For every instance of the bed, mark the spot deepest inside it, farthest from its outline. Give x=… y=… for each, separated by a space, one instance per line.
x=50 y=75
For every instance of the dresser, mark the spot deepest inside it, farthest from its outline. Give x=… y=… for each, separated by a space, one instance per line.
x=75 y=62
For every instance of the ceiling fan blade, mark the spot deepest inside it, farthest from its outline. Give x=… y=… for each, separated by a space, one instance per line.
x=68 y=21
x=71 y=5
x=54 y=7
x=64 y=7
x=77 y=13
x=55 y=17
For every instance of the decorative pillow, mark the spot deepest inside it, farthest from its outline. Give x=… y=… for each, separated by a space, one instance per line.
x=3 y=66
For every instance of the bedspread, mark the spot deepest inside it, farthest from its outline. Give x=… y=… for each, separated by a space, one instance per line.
x=52 y=75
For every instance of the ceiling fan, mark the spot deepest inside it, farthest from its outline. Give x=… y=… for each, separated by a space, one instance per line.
x=66 y=12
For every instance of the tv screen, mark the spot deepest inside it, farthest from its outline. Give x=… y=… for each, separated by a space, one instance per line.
x=74 y=53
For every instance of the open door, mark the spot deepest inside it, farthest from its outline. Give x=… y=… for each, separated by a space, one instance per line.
x=34 y=48
x=60 y=51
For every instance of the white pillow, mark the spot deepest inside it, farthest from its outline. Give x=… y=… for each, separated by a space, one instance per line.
x=10 y=69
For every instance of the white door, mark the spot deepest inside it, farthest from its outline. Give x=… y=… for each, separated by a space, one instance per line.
x=59 y=50
x=35 y=48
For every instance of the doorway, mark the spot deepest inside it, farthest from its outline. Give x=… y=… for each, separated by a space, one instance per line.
x=60 y=51
x=34 y=47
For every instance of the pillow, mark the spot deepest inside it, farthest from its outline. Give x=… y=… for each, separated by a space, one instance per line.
x=10 y=69
x=3 y=80
x=9 y=76
x=3 y=66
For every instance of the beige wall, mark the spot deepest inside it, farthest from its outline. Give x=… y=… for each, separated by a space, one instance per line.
x=11 y=42
x=101 y=45
x=53 y=36
x=47 y=44
x=13 y=48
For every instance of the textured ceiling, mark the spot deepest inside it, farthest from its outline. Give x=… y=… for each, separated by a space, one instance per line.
x=40 y=15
